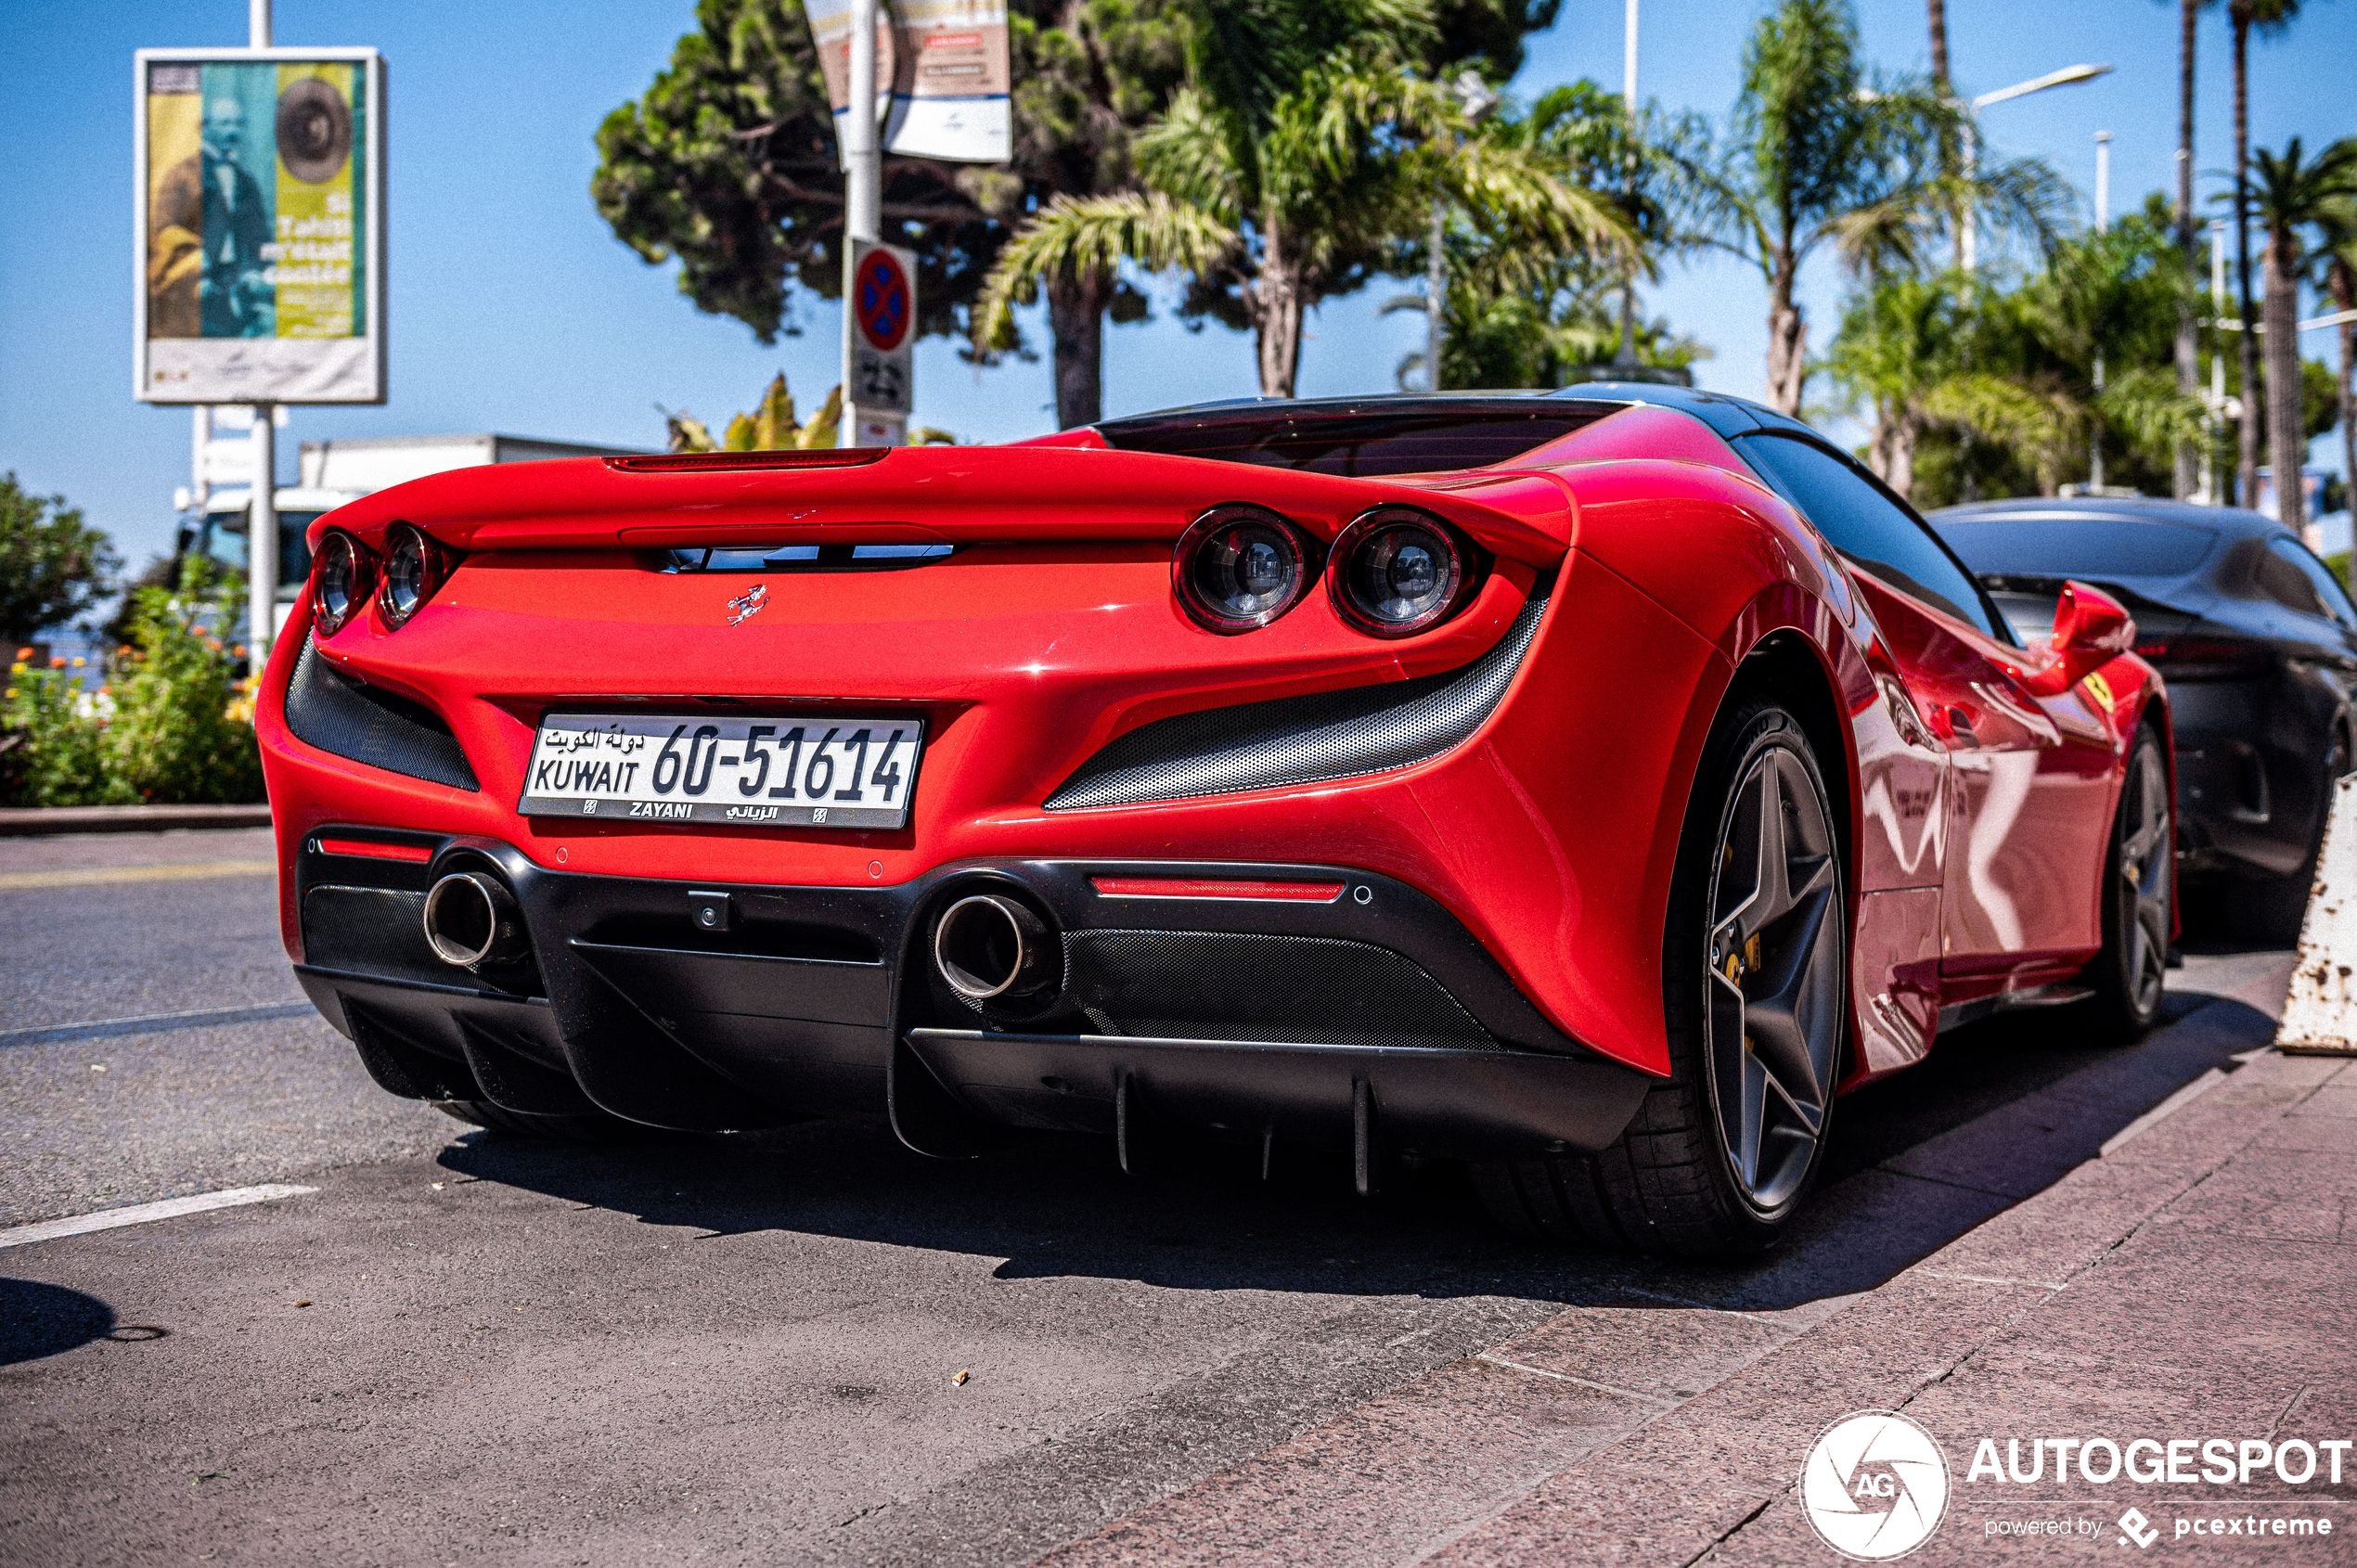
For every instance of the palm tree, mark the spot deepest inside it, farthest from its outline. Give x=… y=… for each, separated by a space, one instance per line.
x=1525 y=314
x=2290 y=195
x=2186 y=467
x=1283 y=173
x=1822 y=154
x=2269 y=16
x=2337 y=275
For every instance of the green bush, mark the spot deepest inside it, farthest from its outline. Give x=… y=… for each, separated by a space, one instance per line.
x=174 y=726
x=55 y=742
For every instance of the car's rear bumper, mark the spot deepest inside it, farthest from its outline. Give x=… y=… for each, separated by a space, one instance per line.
x=1370 y=1020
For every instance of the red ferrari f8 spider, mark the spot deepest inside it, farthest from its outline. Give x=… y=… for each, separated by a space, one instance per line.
x=1588 y=786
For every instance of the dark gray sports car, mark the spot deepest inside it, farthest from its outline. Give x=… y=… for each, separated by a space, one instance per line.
x=2258 y=641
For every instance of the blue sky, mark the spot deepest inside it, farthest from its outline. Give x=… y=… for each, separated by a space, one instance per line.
x=513 y=308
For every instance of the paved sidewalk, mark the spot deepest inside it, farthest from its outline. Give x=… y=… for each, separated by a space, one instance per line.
x=2197 y=1278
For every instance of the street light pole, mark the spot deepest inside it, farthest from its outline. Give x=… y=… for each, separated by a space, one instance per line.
x=1967 y=250
x=862 y=193
x=2102 y=222
x=1627 y=356
x=262 y=512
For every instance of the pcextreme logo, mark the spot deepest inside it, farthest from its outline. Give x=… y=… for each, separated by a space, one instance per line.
x=1875 y=1485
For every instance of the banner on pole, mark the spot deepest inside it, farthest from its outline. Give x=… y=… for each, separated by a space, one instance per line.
x=943 y=74
x=259 y=235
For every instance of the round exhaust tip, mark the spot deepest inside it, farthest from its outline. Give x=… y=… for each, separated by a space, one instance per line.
x=471 y=920
x=986 y=947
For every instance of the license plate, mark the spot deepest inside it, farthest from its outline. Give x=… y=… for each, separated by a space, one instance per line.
x=735 y=772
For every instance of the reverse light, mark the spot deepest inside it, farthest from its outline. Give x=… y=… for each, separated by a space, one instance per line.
x=1398 y=571
x=415 y=569
x=1239 y=567
x=340 y=583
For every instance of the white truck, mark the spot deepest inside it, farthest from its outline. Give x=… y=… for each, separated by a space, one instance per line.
x=335 y=472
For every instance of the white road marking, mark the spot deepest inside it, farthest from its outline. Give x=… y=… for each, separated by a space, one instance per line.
x=140 y=1213
x=153 y=1023
x=99 y=876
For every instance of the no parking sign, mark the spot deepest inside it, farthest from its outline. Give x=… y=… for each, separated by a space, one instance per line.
x=882 y=298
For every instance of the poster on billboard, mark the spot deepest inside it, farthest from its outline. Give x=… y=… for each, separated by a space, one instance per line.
x=260 y=237
x=942 y=76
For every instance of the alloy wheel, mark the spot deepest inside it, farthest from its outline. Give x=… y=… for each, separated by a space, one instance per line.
x=1775 y=955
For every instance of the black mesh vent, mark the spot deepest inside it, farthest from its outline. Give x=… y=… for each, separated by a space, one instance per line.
x=1310 y=739
x=1228 y=985
x=337 y=713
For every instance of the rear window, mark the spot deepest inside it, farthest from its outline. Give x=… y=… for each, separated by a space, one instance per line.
x=2045 y=544
x=1357 y=443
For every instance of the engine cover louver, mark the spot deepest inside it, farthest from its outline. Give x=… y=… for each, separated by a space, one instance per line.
x=1312 y=740
x=339 y=715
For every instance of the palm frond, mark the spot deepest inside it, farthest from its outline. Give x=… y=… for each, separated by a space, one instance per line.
x=1080 y=238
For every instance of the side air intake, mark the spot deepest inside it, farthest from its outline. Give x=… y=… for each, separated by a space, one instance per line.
x=340 y=715
x=1309 y=739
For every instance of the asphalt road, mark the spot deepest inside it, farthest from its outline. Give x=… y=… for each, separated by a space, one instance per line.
x=744 y=1348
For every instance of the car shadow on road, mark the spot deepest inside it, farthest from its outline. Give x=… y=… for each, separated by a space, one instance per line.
x=2000 y=1111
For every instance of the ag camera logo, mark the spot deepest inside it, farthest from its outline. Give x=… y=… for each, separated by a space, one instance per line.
x=1875 y=1485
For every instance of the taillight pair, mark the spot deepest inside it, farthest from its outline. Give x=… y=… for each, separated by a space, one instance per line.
x=1394 y=571
x=347 y=574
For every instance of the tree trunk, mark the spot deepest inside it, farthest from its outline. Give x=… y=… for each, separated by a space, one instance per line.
x=1787 y=341
x=2187 y=472
x=1076 y=317
x=1939 y=10
x=2287 y=432
x=1276 y=314
x=1894 y=450
x=2246 y=351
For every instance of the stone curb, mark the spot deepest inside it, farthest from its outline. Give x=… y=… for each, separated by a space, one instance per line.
x=20 y=822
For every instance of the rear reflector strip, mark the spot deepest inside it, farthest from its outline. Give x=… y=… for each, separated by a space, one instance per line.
x=368 y=849
x=704 y=462
x=1182 y=887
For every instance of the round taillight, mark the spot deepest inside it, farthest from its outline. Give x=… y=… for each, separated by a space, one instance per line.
x=415 y=567
x=1241 y=567
x=341 y=582
x=1398 y=571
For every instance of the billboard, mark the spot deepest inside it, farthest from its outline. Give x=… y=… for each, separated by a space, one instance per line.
x=942 y=76
x=260 y=239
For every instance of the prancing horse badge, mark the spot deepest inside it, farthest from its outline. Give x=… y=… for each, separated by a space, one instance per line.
x=748 y=604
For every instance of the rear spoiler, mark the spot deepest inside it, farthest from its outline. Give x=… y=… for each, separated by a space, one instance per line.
x=957 y=494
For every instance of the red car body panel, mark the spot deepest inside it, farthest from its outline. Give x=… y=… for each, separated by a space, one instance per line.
x=1976 y=812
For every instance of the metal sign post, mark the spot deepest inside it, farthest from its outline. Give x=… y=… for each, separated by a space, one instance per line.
x=934 y=83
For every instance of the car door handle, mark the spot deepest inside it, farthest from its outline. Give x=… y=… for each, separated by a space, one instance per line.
x=1960 y=728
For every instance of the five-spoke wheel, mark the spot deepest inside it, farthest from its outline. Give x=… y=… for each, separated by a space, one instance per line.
x=1755 y=996
x=1775 y=1010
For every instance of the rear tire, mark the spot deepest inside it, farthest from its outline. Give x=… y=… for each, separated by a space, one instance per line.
x=593 y=1128
x=2130 y=974
x=1755 y=986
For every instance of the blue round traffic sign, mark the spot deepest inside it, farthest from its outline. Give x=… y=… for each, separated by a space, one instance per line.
x=881 y=300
